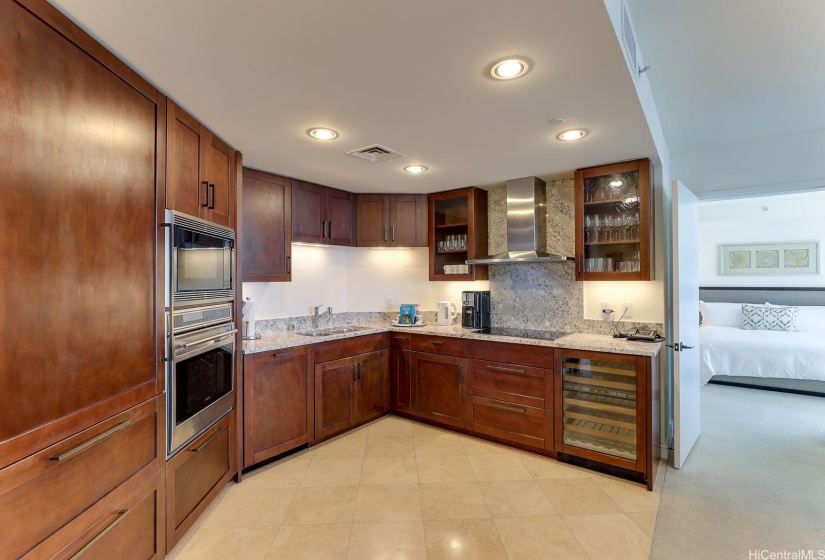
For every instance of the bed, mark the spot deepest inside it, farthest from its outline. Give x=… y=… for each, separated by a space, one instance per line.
x=777 y=359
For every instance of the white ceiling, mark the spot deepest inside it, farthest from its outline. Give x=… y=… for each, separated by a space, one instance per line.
x=725 y=72
x=764 y=208
x=408 y=75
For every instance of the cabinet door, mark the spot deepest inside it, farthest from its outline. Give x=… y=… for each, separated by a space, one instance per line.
x=334 y=382
x=278 y=413
x=438 y=388
x=220 y=164
x=408 y=220
x=400 y=365
x=267 y=227
x=373 y=218
x=340 y=216
x=308 y=212
x=372 y=385
x=186 y=183
x=458 y=220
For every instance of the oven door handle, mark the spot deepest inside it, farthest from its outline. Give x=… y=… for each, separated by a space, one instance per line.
x=207 y=339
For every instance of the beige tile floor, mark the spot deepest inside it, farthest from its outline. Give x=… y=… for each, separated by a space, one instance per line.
x=397 y=489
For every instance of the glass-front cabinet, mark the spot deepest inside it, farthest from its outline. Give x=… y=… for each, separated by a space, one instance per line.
x=614 y=222
x=603 y=408
x=458 y=232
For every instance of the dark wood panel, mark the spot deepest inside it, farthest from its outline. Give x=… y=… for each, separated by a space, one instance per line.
x=267 y=223
x=44 y=492
x=346 y=347
x=219 y=172
x=372 y=385
x=340 y=217
x=60 y=163
x=186 y=188
x=400 y=340
x=400 y=364
x=308 y=212
x=278 y=403
x=445 y=345
x=373 y=218
x=523 y=354
x=408 y=214
x=457 y=212
x=438 y=388
x=509 y=382
x=512 y=422
x=333 y=396
x=195 y=476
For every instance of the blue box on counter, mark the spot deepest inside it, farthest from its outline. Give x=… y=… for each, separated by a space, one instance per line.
x=406 y=315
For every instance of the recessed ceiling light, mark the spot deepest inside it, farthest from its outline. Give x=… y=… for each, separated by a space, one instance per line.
x=509 y=69
x=415 y=169
x=570 y=135
x=322 y=133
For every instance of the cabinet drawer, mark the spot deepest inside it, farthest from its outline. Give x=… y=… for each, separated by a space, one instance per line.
x=526 y=354
x=525 y=425
x=400 y=341
x=444 y=345
x=346 y=347
x=42 y=493
x=129 y=531
x=271 y=355
x=195 y=476
x=509 y=382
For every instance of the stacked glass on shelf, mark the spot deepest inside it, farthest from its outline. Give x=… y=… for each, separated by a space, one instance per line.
x=453 y=243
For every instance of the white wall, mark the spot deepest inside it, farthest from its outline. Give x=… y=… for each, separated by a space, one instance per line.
x=354 y=279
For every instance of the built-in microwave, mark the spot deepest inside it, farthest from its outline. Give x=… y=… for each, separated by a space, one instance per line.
x=199 y=261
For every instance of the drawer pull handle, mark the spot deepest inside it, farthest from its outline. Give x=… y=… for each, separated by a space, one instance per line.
x=400 y=338
x=210 y=440
x=95 y=440
x=508 y=408
x=120 y=515
x=435 y=342
x=287 y=353
x=506 y=370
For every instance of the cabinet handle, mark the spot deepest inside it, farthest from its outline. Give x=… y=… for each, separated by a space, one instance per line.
x=212 y=188
x=406 y=365
x=508 y=408
x=288 y=265
x=392 y=228
x=435 y=342
x=329 y=229
x=354 y=378
x=579 y=263
x=287 y=353
x=210 y=440
x=205 y=193
x=95 y=440
x=385 y=232
x=360 y=371
x=461 y=375
x=506 y=370
x=120 y=515
x=400 y=338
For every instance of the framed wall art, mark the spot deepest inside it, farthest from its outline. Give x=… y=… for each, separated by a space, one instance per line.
x=773 y=258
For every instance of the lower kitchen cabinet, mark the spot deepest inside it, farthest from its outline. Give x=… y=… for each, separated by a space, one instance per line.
x=607 y=410
x=510 y=422
x=350 y=391
x=195 y=476
x=400 y=372
x=278 y=402
x=437 y=388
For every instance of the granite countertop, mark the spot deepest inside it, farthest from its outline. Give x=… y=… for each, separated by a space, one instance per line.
x=575 y=341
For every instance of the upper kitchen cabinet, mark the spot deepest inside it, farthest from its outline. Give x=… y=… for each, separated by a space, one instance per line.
x=614 y=222
x=458 y=232
x=266 y=241
x=322 y=215
x=201 y=169
x=392 y=220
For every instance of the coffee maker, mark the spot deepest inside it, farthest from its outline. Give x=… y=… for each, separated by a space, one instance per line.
x=475 y=310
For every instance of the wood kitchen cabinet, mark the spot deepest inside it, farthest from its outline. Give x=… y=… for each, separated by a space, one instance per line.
x=607 y=410
x=267 y=227
x=278 y=402
x=201 y=169
x=437 y=387
x=351 y=383
x=391 y=220
x=322 y=215
x=457 y=232
x=400 y=372
x=614 y=222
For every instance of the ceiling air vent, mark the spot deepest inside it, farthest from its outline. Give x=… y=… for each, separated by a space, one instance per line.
x=629 y=41
x=375 y=153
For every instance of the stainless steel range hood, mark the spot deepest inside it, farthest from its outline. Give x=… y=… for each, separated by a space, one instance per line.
x=526 y=225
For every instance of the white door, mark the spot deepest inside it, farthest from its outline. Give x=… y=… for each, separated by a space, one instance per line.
x=685 y=322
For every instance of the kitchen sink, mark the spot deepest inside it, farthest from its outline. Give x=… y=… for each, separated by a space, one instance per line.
x=329 y=331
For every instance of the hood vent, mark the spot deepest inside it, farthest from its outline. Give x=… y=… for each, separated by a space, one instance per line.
x=526 y=225
x=375 y=153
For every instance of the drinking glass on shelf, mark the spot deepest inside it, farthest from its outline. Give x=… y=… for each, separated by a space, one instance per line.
x=608 y=264
x=464 y=242
x=440 y=246
x=608 y=227
x=588 y=228
x=636 y=228
x=594 y=234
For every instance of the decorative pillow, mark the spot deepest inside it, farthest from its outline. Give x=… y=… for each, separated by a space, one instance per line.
x=769 y=318
x=721 y=314
x=811 y=318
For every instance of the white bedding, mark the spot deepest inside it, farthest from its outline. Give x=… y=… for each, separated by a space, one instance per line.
x=788 y=355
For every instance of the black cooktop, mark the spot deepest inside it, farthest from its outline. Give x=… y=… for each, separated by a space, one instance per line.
x=524 y=333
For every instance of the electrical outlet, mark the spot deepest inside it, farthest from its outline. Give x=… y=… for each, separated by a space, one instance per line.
x=606 y=310
x=389 y=301
x=627 y=309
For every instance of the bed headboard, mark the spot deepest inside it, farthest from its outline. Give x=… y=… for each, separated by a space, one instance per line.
x=777 y=296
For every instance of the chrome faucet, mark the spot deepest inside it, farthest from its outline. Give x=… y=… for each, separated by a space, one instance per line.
x=315 y=314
